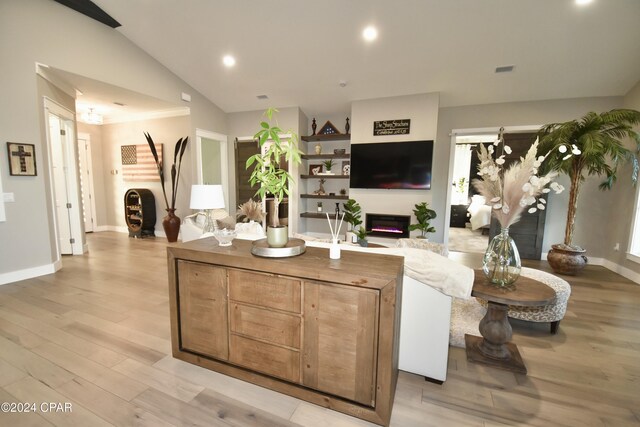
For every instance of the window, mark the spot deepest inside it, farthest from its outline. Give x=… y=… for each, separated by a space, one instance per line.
x=634 y=246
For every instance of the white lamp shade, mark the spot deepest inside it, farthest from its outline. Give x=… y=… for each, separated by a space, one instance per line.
x=206 y=197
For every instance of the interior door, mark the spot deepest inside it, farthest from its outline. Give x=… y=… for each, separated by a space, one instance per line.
x=85 y=170
x=529 y=231
x=59 y=165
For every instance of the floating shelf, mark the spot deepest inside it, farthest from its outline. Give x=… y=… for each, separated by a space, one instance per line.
x=317 y=215
x=329 y=137
x=324 y=176
x=326 y=196
x=325 y=156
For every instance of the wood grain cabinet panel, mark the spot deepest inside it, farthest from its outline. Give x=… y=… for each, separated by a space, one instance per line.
x=339 y=348
x=202 y=293
x=265 y=290
x=266 y=358
x=266 y=325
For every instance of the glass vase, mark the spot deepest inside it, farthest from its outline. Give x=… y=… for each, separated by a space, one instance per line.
x=501 y=263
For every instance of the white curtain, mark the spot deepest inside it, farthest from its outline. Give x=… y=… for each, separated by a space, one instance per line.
x=461 y=165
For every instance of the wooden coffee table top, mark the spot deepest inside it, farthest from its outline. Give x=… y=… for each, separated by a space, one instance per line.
x=523 y=292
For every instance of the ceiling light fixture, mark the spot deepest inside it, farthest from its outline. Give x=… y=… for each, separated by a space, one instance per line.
x=92 y=118
x=370 y=33
x=505 y=68
x=583 y=2
x=229 y=61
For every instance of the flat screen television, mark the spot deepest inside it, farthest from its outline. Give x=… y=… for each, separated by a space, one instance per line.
x=392 y=165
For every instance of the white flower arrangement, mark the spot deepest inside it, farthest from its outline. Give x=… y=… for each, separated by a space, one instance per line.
x=509 y=192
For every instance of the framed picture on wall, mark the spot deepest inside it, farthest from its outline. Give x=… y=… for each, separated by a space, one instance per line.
x=22 y=159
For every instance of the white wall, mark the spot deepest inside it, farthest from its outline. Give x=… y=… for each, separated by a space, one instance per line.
x=422 y=109
x=47 y=32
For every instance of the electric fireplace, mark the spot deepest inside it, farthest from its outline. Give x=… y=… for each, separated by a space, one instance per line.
x=391 y=226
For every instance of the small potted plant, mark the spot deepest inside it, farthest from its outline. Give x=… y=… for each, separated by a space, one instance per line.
x=352 y=212
x=361 y=234
x=272 y=179
x=328 y=164
x=423 y=216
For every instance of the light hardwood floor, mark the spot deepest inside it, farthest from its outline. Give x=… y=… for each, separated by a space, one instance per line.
x=96 y=334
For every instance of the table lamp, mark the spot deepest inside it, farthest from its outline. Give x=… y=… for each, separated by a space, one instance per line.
x=210 y=199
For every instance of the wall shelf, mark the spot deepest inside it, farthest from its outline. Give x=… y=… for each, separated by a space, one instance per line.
x=329 y=137
x=324 y=176
x=325 y=156
x=318 y=215
x=324 y=197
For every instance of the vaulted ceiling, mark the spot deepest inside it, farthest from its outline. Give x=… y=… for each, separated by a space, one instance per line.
x=297 y=52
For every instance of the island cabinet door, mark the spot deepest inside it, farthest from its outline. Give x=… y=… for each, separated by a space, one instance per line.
x=340 y=341
x=202 y=292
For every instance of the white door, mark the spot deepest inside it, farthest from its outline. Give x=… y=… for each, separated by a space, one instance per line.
x=63 y=177
x=59 y=171
x=85 y=170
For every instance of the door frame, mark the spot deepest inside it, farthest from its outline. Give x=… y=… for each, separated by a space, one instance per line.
x=77 y=228
x=89 y=160
x=455 y=133
x=224 y=161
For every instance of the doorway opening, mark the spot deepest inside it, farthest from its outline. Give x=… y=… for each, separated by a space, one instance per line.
x=87 y=191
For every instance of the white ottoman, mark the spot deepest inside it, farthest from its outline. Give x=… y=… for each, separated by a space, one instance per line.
x=552 y=313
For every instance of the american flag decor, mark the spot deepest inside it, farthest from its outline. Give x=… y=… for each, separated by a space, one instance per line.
x=138 y=163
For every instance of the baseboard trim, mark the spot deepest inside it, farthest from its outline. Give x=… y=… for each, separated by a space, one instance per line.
x=30 y=273
x=610 y=265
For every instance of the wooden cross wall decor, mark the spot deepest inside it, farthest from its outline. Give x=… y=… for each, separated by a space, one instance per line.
x=22 y=159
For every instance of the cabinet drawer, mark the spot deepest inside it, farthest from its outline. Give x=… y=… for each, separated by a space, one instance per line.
x=264 y=290
x=266 y=358
x=266 y=325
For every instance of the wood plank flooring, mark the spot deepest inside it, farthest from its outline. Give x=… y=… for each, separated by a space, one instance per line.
x=96 y=334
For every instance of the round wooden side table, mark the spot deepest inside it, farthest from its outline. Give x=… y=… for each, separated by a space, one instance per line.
x=494 y=347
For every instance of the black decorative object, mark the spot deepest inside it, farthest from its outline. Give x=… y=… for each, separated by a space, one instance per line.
x=391 y=127
x=338 y=209
x=140 y=212
x=313 y=126
x=347 y=127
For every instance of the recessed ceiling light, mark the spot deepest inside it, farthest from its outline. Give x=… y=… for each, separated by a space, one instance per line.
x=229 y=61
x=583 y=2
x=370 y=33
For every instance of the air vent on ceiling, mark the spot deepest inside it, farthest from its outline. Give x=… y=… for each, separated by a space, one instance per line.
x=262 y=97
x=505 y=68
x=119 y=103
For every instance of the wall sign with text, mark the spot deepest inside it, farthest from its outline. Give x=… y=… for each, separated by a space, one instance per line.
x=391 y=127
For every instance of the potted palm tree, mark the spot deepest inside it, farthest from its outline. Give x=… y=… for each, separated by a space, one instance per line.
x=272 y=179
x=423 y=215
x=591 y=145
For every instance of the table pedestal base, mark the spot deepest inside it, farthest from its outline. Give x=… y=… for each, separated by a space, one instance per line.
x=512 y=363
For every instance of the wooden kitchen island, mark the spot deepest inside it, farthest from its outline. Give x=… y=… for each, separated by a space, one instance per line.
x=325 y=331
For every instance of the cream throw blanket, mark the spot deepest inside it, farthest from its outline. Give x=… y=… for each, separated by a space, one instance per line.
x=442 y=274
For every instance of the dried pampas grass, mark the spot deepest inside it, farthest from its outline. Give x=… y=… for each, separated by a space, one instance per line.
x=250 y=211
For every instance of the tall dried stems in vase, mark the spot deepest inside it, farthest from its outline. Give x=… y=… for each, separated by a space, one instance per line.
x=509 y=192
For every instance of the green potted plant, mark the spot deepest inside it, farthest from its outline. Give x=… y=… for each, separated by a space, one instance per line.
x=272 y=179
x=171 y=222
x=361 y=234
x=352 y=216
x=591 y=145
x=423 y=216
x=328 y=164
